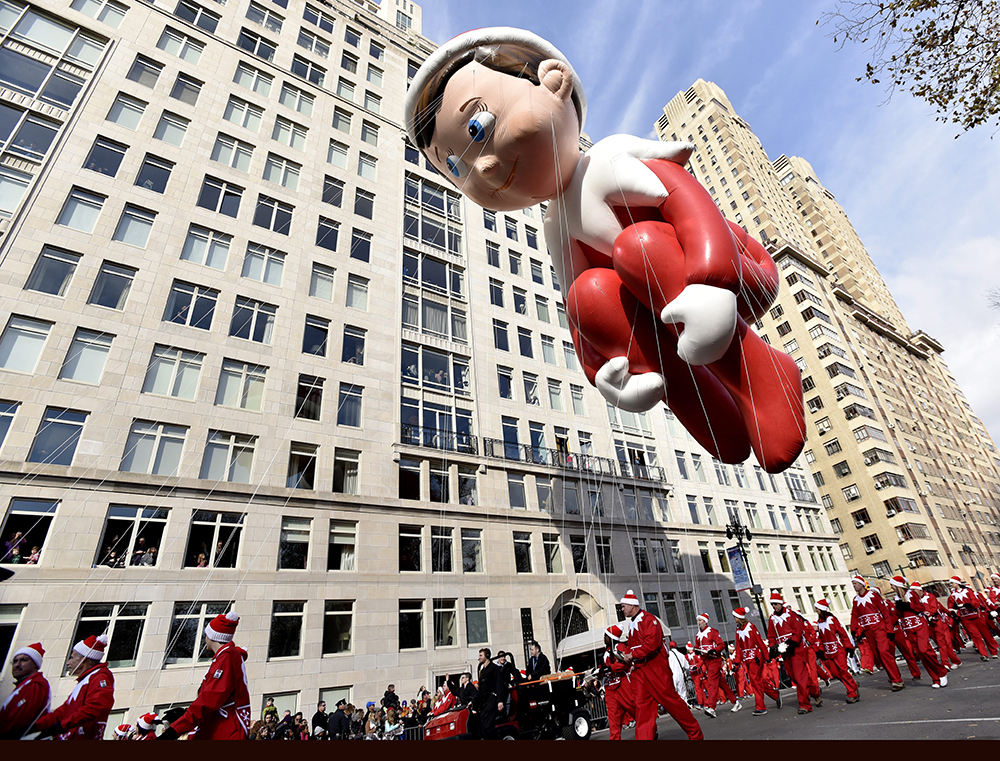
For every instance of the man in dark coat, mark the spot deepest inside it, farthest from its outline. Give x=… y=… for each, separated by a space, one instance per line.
x=339 y=725
x=390 y=699
x=538 y=664
x=490 y=698
x=321 y=718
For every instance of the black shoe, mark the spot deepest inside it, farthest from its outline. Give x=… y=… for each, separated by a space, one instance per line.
x=853 y=700
x=803 y=710
x=777 y=700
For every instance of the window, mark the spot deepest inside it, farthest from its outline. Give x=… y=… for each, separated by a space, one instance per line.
x=134 y=228
x=220 y=196
x=172 y=372
x=524 y=341
x=500 y=335
x=57 y=436
x=376 y=51
x=445 y=623
x=191 y=305
x=374 y=75
x=373 y=102
x=493 y=254
x=207 y=247
x=293 y=97
x=472 y=550
x=314 y=16
x=181 y=45
x=490 y=220
x=515 y=263
x=273 y=214
x=333 y=191
x=31 y=519
x=106 y=11
x=241 y=385
x=349 y=407
x=511 y=227
x=256 y=44
x=289 y=133
x=351 y=37
x=361 y=245
x=293 y=545
x=357 y=292
x=186 y=89
x=267 y=18
x=349 y=62
x=232 y=152
x=871 y=543
x=338 y=617
x=145 y=71
x=411 y=624
x=123 y=623
x=314 y=338
x=253 y=79
x=576 y=394
x=153 y=448
x=252 y=320
x=197 y=15
x=86 y=356
x=7 y=411
x=605 y=560
x=522 y=551
x=309 y=397
x=285 y=640
x=641 y=554
x=52 y=272
x=171 y=128
x=366 y=166
x=306 y=69
x=342 y=121
x=343 y=538
x=228 y=457
x=105 y=156
x=410 y=538
x=578 y=548
x=186 y=643
x=536 y=272
x=154 y=174
x=364 y=203
x=126 y=111
x=851 y=493
x=555 y=395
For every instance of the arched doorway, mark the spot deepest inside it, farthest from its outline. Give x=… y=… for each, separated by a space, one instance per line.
x=567 y=621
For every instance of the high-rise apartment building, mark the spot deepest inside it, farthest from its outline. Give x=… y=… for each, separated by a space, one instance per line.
x=906 y=471
x=254 y=352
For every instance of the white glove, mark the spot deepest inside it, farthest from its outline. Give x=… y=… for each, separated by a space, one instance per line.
x=634 y=393
x=782 y=647
x=709 y=317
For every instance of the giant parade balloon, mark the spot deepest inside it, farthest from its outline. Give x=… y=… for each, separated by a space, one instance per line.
x=658 y=286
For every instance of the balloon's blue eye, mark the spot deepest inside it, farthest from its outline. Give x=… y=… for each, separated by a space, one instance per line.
x=481 y=125
x=456 y=166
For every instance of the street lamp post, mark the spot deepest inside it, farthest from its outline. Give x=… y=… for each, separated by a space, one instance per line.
x=739 y=532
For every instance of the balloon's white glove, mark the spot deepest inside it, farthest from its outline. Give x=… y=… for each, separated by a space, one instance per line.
x=709 y=317
x=634 y=393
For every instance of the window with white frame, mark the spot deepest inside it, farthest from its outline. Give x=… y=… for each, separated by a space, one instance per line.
x=186 y=643
x=191 y=305
x=173 y=372
x=253 y=79
x=134 y=226
x=153 y=448
x=123 y=623
x=285 y=639
x=263 y=264
x=357 y=292
x=31 y=518
x=337 y=155
x=81 y=210
x=253 y=320
x=338 y=618
x=52 y=272
x=106 y=11
x=346 y=469
x=243 y=113
x=195 y=14
x=232 y=152
x=228 y=457
x=289 y=133
x=183 y=46
x=241 y=385
x=273 y=214
x=321 y=282
x=343 y=540
x=367 y=166
x=86 y=357
x=207 y=247
x=293 y=97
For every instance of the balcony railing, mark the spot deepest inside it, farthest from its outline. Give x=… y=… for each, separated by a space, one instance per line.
x=803 y=496
x=643 y=472
x=570 y=460
x=435 y=438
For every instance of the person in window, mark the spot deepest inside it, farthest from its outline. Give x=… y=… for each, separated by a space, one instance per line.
x=36 y=553
x=84 y=715
x=202 y=561
x=15 y=542
x=538 y=663
x=222 y=709
x=15 y=557
x=138 y=552
x=149 y=557
x=30 y=697
x=218 y=553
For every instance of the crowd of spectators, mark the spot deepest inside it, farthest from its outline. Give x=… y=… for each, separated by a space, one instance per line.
x=16 y=551
x=143 y=554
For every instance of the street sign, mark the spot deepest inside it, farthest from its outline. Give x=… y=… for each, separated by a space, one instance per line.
x=741 y=577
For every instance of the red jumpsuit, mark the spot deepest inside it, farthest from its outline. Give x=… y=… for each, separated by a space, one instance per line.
x=618 y=693
x=444 y=705
x=835 y=642
x=938 y=619
x=871 y=617
x=85 y=713
x=222 y=709
x=653 y=682
x=28 y=701
x=901 y=643
x=809 y=632
x=918 y=635
x=751 y=652
x=752 y=396
x=787 y=628
x=989 y=611
x=698 y=677
x=711 y=647
x=967 y=604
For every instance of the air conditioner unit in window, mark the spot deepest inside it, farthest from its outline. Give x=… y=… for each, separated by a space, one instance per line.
x=879 y=487
x=869 y=460
x=869 y=550
x=890 y=512
x=822 y=433
x=892 y=425
x=859 y=524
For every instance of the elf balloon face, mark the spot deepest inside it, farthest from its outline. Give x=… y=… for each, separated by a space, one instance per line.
x=504 y=141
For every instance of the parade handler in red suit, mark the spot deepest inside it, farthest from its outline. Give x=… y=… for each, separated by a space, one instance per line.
x=711 y=647
x=871 y=619
x=659 y=287
x=652 y=681
x=30 y=697
x=993 y=604
x=697 y=674
x=835 y=643
x=964 y=600
x=222 y=709
x=618 y=693
x=937 y=621
x=85 y=713
x=785 y=637
x=812 y=642
x=914 y=626
x=751 y=653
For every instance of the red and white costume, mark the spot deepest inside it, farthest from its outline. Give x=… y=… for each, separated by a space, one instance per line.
x=915 y=629
x=750 y=654
x=222 y=709
x=619 y=697
x=937 y=621
x=835 y=642
x=697 y=674
x=812 y=642
x=28 y=701
x=651 y=677
x=84 y=715
x=786 y=628
x=870 y=617
x=445 y=704
x=969 y=608
x=711 y=647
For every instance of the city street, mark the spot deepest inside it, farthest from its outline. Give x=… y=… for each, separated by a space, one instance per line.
x=968 y=708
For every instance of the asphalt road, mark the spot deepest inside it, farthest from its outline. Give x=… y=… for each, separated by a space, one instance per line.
x=968 y=708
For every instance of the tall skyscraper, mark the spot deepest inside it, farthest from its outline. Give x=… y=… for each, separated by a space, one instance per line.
x=906 y=471
x=256 y=353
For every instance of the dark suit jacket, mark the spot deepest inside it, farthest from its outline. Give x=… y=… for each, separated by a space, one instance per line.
x=537 y=667
x=492 y=688
x=339 y=725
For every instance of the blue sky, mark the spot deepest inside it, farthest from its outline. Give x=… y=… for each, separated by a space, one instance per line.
x=924 y=203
